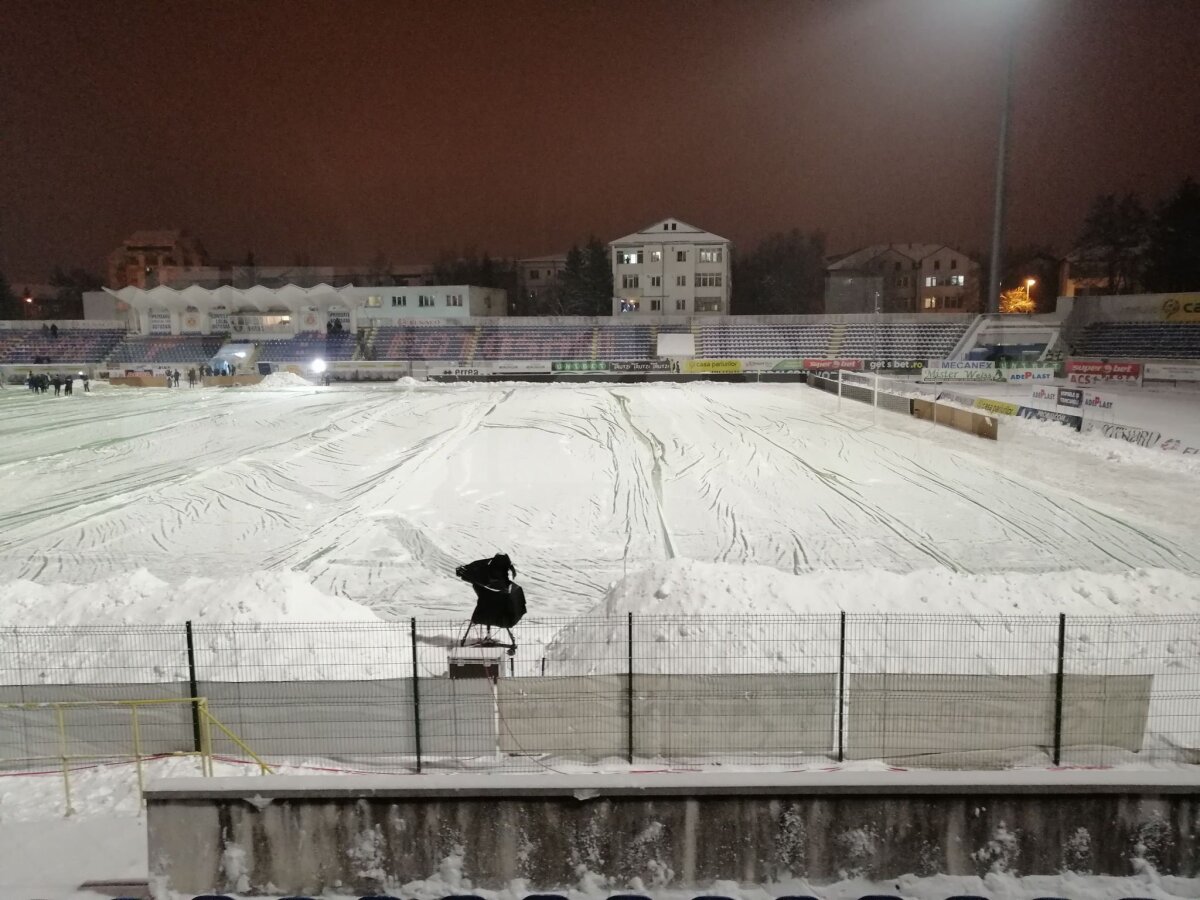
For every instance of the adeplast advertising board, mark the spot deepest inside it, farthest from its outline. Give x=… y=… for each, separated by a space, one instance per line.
x=1094 y=372
x=1039 y=373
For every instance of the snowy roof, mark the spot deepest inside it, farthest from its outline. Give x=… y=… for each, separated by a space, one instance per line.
x=549 y=258
x=154 y=238
x=859 y=258
x=670 y=231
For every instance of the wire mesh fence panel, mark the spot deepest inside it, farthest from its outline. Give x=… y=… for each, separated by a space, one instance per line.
x=949 y=691
x=953 y=691
x=1131 y=689
x=93 y=654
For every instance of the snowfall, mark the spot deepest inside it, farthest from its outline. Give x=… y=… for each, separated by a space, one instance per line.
x=292 y=502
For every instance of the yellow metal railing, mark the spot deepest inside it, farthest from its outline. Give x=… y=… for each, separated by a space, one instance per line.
x=201 y=738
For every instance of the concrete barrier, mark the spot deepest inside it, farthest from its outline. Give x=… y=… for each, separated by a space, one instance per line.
x=971 y=422
x=139 y=380
x=311 y=835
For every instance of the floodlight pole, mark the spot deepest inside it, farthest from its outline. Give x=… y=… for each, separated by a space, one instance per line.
x=999 y=211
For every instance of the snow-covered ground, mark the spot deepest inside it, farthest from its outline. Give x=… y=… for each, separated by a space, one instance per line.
x=375 y=494
x=290 y=502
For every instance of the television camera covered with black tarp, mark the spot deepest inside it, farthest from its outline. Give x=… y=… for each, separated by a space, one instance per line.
x=499 y=601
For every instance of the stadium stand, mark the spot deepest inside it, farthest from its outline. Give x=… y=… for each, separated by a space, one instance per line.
x=83 y=345
x=1172 y=340
x=175 y=349
x=307 y=346
x=891 y=340
x=538 y=342
x=448 y=342
x=720 y=340
x=625 y=342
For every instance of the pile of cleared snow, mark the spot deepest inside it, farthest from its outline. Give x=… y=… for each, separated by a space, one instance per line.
x=277 y=380
x=270 y=638
x=711 y=617
x=140 y=598
x=407 y=381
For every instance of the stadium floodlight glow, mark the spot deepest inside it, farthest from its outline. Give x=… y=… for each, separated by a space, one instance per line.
x=318 y=366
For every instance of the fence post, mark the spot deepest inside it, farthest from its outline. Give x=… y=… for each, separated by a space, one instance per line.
x=841 y=692
x=192 y=689
x=1058 y=687
x=629 y=691
x=416 y=688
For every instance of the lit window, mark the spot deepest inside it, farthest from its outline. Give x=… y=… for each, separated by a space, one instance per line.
x=710 y=256
x=629 y=281
x=374 y=301
x=931 y=302
x=680 y=256
x=630 y=257
x=655 y=256
x=959 y=280
x=931 y=281
x=708 y=304
x=681 y=304
x=655 y=281
x=681 y=281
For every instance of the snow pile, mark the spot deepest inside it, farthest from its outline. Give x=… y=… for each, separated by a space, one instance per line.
x=249 y=627
x=407 y=381
x=140 y=598
x=709 y=617
x=278 y=380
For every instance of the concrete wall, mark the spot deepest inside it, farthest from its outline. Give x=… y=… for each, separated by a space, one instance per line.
x=260 y=835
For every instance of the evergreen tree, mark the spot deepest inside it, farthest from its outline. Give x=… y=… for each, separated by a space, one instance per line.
x=9 y=302
x=1173 y=257
x=597 y=277
x=1115 y=231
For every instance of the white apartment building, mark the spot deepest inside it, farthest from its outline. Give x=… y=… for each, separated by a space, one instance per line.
x=670 y=268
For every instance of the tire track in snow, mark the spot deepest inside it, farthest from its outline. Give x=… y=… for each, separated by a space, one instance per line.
x=656 y=450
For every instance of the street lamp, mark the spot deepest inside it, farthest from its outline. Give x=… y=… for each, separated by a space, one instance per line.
x=1001 y=168
x=1029 y=282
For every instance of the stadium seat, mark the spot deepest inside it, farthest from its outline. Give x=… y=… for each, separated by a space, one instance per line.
x=462 y=897
x=545 y=897
x=966 y=897
x=628 y=897
x=212 y=897
x=798 y=897
x=711 y=897
x=378 y=897
x=881 y=897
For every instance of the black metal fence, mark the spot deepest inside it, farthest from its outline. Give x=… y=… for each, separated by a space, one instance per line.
x=914 y=690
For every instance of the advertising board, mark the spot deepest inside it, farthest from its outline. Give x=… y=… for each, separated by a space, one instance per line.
x=941 y=373
x=1031 y=374
x=896 y=365
x=828 y=364
x=1044 y=392
x=1089 y=372
x=644 y=365
x=997 y=406
x=1047 y=415
x=1072 y=397
x=960 y=364
x=712 y=366
x=579 y=365
x=1181 y=308
x=1171 y=372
